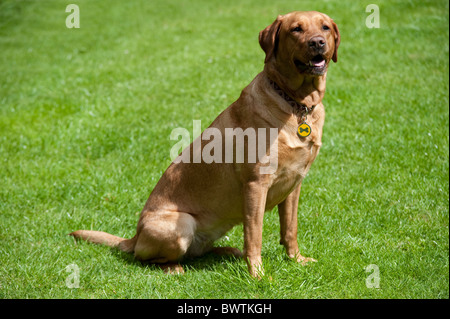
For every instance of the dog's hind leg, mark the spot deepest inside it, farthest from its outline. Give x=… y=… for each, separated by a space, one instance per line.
x=164 y=238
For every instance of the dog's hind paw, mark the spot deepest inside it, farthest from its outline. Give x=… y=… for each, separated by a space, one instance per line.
x=172 y=269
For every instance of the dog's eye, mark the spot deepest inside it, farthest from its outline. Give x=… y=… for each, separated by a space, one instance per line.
x=325 y=27
x=297 y=29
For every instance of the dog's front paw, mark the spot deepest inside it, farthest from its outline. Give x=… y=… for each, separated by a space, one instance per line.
x=304 y=260
x=255 y=268
x=301 y=259
x=257 y=271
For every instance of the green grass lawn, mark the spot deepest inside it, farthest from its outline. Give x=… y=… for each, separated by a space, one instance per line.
x=85 y=122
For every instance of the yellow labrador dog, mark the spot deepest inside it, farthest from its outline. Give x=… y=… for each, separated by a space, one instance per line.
x=206 y=190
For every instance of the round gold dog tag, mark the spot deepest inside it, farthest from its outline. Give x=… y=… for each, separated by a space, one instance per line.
x=304 y=130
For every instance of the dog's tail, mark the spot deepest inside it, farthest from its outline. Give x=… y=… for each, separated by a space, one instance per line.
x=99 y=237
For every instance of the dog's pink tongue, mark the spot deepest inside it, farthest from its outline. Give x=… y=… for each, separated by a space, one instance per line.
x=319 y=64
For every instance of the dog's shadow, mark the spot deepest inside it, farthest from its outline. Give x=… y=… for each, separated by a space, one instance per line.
x=208 y=261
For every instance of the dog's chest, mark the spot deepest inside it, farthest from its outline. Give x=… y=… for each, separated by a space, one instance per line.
x=295 y=153
x=294 y=161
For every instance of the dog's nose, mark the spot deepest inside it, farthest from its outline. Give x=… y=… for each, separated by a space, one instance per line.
x=317 y=42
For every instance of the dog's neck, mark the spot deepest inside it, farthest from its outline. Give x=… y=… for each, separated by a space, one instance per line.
x=307 y=90
x=298 y=109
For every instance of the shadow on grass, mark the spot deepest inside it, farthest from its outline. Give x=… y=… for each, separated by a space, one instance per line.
x=209 y=261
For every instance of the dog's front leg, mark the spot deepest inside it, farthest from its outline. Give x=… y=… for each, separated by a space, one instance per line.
x=287 y=211
x=288 y=226
x=255 y=201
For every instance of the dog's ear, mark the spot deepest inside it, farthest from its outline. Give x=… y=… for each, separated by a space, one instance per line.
x=337 y=40
x=268 y=38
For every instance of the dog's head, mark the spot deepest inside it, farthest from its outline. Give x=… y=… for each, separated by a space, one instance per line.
x=302 y=40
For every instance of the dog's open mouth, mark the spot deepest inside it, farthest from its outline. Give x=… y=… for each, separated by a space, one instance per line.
x=316 y=65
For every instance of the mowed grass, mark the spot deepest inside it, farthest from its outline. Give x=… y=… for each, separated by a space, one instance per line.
x=85 y=122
